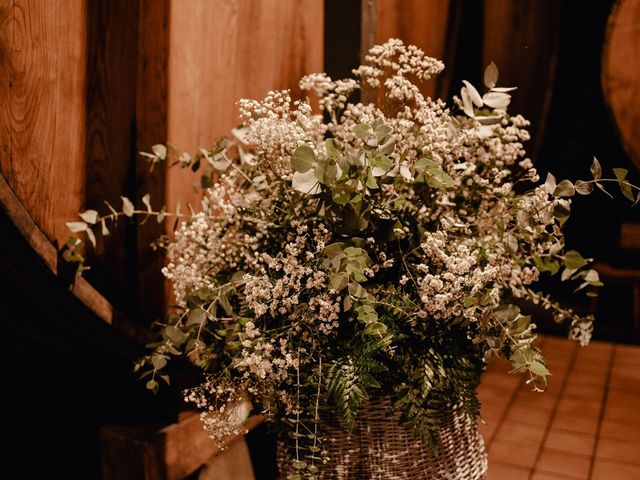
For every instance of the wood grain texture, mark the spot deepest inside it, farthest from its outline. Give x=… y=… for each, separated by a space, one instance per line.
x=110 y=137
x=223 y=50
x=151 y=128
x=12 y=208
x=43 y=61
x=621 y=73
x=424 y=23
x=170 y=453
x=521 y=37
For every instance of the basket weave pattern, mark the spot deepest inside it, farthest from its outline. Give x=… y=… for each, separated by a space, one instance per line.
x=382 y=449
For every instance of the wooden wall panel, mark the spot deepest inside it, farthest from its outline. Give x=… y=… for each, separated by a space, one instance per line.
x=151 y=127
x=223 y=50
x=521 y=37
x=424 y=23
x=621 y=73
x=110 y=136
x=43 y=61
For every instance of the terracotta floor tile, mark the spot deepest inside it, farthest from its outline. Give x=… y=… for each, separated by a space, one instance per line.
x=559 y=344
x=579 y=407
x=521 y=433
x=498 y=471
x=531 y=416
x=627 y=369
x=570 y=442
x=622 y=381
x=535 y=399
x=619 y=450
x=588 y=425
x=620 y=429
x=513 y=453
x=492 y=409
x=599 y=371
x=487 y=430
x=607 y=470
x=548 y=476
x=580 y=390
x=496 y=392
x=575 y=466
x=586 y=379
x=627 y=354
x=597 y=349
x=573 y=405
x=621 y=410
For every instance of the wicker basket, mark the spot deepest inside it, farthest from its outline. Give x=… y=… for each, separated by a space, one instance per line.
x=380 y=448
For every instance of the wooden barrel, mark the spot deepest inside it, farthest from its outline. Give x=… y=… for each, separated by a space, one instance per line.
x=621 y=73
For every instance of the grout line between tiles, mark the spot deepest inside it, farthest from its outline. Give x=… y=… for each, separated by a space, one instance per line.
x=554 y=411
x=605 y=397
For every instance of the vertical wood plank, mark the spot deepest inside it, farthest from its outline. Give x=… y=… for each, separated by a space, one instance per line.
x=424 y=23
x=6 y=43
x=223 y=50
x=110 y=143
x=151 y=128
x=45 y=114
x=521 y=37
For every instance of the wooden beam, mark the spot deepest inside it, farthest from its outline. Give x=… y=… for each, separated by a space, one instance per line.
x=169 y=453
x=11 y=206
x=152 y=105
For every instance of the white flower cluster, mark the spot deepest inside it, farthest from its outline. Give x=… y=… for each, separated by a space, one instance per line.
x=365 y=236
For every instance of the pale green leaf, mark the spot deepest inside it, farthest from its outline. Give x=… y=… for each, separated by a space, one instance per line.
x=303 y=159
x=89 y=216
x=583 y=188
x=596 y=169
x=491 y=75
x=159 y=151
x=573 y=260
x=306 y=182
x=127 y=207
x=147 y=202
x=77 y=226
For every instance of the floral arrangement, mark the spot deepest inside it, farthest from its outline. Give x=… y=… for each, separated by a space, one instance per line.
x=354 y=250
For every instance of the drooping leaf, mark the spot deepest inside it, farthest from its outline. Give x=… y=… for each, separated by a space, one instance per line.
x=196 y=316
x=159 y=151
x=147 y=202
x=77 y=226
x=625 y=188
x=550 y=183
x=583 y=188
x=473 y=94
x=564 y=189
x=306 y=182
x=338 y=281
x=467 y=104
x=596 y=169
x=333 y=150
x=491 y=75
x=497 y=100
x=572 y=259
x=127 y=207
x=91 y=236
x=89 y=216
x=381 y=131
x=362 y=130
x=303 y=159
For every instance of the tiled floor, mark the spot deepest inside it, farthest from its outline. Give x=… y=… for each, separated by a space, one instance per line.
x=585 y=426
